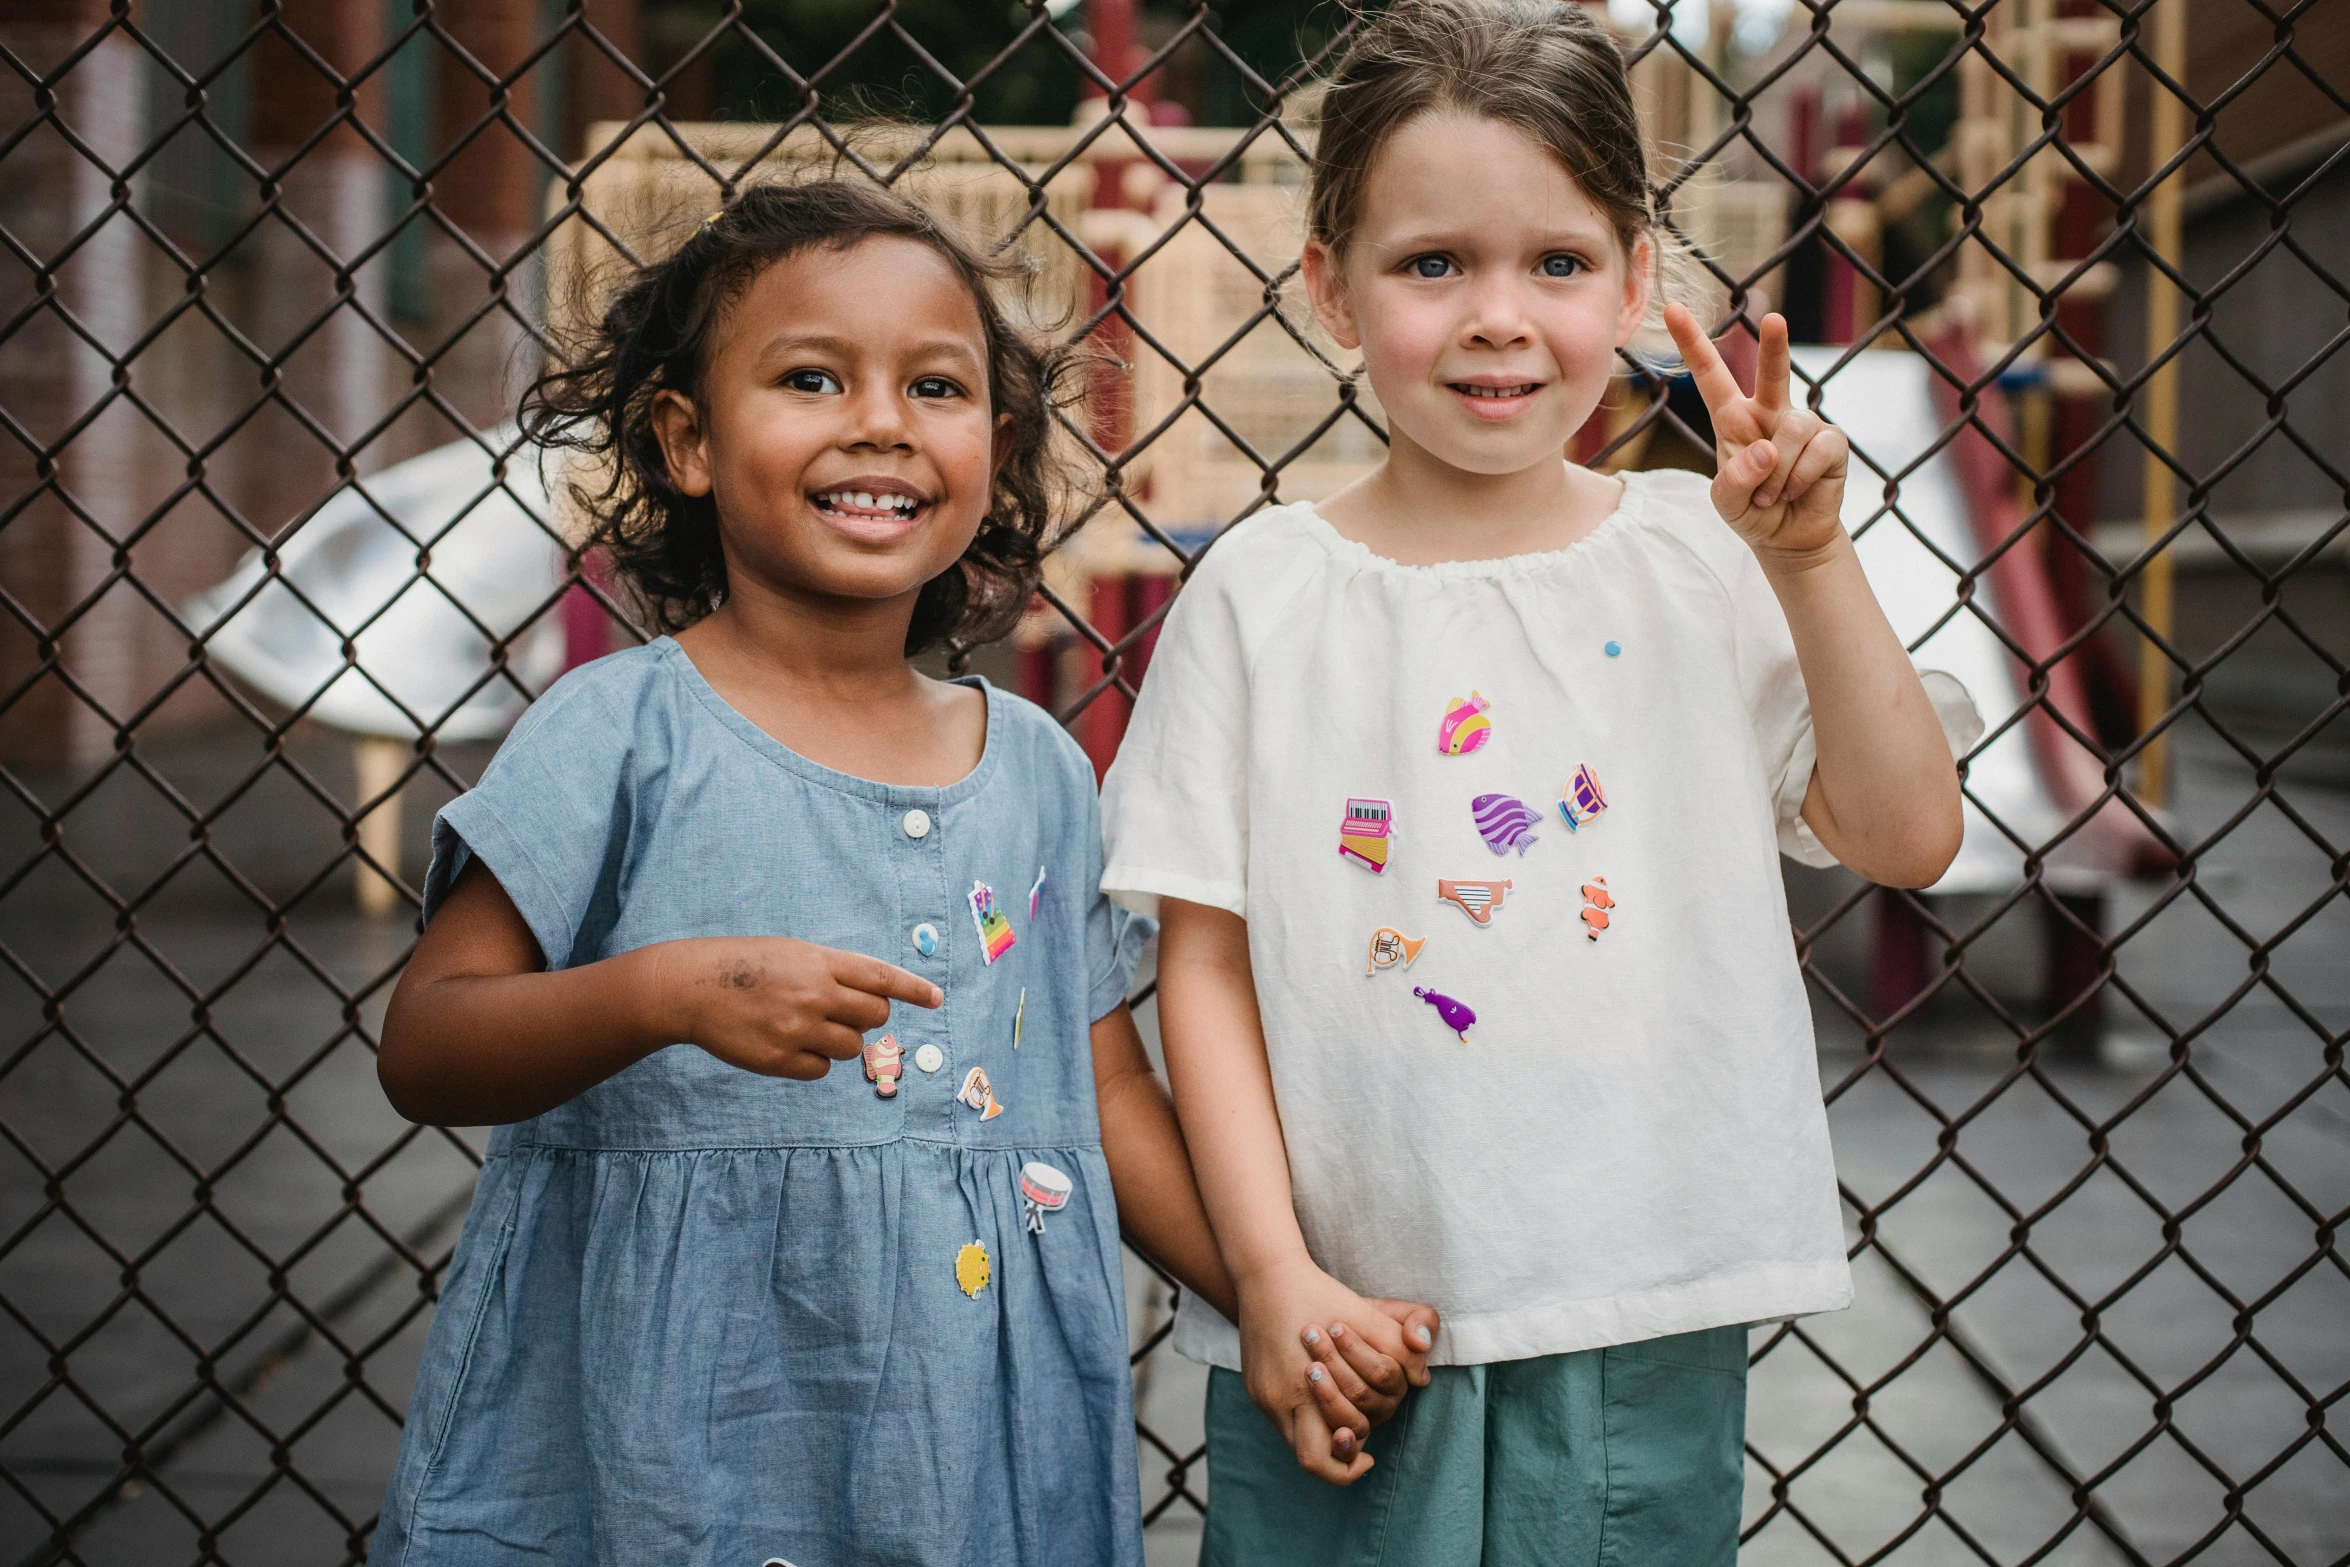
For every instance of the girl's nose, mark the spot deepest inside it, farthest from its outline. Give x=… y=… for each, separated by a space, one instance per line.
x=1496 y=316
x=878 y=419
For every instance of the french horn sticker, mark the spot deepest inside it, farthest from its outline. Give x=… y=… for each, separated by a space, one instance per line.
x=1390 y=946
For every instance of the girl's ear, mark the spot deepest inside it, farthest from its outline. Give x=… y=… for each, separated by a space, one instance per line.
x=1639 y=285
x=1003 y=444
x=1326 y=289
x=685 y=447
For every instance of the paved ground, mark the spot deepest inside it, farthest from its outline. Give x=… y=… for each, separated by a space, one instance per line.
x=141 y=1095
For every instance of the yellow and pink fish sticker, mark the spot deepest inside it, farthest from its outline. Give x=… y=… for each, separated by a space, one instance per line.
x=1465 y=726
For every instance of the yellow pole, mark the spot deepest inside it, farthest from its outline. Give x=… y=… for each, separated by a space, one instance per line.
x=2165 y=214
x=379 y=763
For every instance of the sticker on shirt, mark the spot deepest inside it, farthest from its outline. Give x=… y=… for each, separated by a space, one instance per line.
x=1043 y=1190
x=995 y=932
x=1390 y=946
x=1476 y=899
x=884 y=1065
x=1581 y=800
x=1034 y=893
x=979 y=1094
x=1019 y=1017
x=1363 y=835
x=1502 y=821
x=1457 y=1015
x=1597 y=900
x=971 y=1271
x=1465 y=726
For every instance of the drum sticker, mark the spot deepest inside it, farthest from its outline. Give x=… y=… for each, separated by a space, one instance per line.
x=1465 y=726
x=1502 y=821
x=1457 y=1016
x=1363 y=835
x=1390 y=946
x=995 y=932
x=971 y=1271
x=979 y=1094
x=1476 y=899
x=1597 y=900
x=884 y=1065
x=1581 y=800
x=1043 y=1190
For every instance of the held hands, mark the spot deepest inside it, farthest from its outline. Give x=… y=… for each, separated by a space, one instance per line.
x=1778 y=470
x=775 y=1006
x=1381 y=1352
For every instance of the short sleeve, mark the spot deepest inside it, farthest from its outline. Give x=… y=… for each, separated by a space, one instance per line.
x=1175 y=803
x=1115 y=937
x=1780 y=709
x=550 y=815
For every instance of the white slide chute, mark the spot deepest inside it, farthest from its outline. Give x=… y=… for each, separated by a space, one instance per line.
x=356 y=561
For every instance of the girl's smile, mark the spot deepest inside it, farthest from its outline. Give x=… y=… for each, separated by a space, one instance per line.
x=873 y=508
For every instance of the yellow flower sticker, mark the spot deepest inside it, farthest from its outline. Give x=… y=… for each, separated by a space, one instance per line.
x=971 y=1269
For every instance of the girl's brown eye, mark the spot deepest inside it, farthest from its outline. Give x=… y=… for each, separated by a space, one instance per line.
x=815 y=382
x=935 y=386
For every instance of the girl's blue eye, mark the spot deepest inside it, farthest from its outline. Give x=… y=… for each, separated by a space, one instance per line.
x=1561 y=266
x=936 y=386
x=1429 y=266
x=815 y=382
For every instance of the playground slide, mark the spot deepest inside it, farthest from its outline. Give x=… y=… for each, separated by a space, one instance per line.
x=2027 y=772
x=427 y=661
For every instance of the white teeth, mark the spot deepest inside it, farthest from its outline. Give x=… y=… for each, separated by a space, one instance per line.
x=860 y=500
x=1520 y=390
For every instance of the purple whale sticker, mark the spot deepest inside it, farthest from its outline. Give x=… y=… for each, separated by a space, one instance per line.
x=1456 y=1015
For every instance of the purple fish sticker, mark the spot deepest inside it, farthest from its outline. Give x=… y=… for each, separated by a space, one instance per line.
x=1457 y=1016
x=1502 y=821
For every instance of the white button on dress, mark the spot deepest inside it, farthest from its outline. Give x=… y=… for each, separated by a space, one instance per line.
x=917 y=823
x=930 y=1058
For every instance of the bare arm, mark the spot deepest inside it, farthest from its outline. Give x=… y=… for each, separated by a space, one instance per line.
x=1158 y=1201
x=1224 y=1096
x=479 y=1032
x=1883 y=795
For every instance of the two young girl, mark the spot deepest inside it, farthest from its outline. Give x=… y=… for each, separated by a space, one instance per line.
x=793 y=982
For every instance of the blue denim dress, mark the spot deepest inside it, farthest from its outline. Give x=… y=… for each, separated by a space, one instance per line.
x=702 y=1316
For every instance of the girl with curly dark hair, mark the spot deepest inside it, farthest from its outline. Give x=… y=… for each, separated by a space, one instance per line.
x=718 y=1301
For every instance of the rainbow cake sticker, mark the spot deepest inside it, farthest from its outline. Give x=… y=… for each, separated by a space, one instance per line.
x=1476 y=899
x=995 y=932
x=1581 y=800
x=1363 y=835
x=1465 y=726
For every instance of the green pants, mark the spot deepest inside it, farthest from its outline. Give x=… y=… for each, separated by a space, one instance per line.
x=1631 y=1456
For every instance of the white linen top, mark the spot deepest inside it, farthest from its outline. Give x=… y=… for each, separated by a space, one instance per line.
x=1630 y=1142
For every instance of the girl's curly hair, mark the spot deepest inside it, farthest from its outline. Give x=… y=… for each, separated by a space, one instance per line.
x=655 y=337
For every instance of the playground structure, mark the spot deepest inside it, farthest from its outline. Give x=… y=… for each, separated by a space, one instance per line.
x=1173 y=249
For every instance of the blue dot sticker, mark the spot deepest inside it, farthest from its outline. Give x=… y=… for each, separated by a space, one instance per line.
x=1615 y=649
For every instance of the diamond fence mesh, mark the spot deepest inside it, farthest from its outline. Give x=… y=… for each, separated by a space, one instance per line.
x=277 y=574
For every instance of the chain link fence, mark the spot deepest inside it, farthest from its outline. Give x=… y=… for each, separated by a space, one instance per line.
x=276 y=575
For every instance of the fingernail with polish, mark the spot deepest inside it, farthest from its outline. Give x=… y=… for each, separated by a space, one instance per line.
x=1314 y=1374
x=1313 y=1337
x=1422 y=1335
x=1337 y=1328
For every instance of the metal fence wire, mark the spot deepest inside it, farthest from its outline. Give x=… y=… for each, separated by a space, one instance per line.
x=276 y=574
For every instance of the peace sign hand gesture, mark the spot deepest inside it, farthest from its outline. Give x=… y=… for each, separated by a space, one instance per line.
x=1778 y=470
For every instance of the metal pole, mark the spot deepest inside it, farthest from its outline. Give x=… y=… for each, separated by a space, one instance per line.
x=2164 y=211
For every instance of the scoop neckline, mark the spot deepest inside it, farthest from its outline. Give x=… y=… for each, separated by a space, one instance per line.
x=683 y=669
x=1367 y=558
